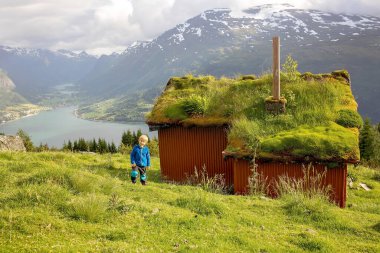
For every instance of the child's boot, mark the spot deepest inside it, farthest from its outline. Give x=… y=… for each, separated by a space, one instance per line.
x=143 y=179
x=134 y=174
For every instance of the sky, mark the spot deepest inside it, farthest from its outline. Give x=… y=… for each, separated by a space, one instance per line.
x=106 y=26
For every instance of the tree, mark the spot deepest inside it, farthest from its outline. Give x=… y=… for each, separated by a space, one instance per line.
x=112 y=148
x=136 y=137
x=26 y=140
x=153 y=147
x=127 y=138
x=42 y=147
x=93 y=146
x=366 y=140
x=102 y=145
x=70 y=146
x=82 y=145
x=75 y=146
x=135 y=140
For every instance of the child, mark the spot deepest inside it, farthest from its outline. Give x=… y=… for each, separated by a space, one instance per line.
x=140 y=160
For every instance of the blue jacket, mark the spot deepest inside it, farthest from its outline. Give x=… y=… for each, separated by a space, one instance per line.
x=140 y=156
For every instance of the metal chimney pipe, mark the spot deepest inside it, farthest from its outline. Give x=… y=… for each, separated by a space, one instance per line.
x=276 y=68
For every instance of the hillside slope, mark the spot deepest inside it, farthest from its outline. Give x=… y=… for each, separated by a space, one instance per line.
x=12 y=104
x=35 y=71
x=81 y=202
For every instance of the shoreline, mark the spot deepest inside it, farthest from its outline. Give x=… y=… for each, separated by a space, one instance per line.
x=26 y=116
x=75 y=112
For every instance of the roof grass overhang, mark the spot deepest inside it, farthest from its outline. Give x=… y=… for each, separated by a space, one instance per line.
x=320 y=121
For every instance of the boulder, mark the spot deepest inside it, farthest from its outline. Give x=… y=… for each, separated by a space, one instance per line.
x=11 y=143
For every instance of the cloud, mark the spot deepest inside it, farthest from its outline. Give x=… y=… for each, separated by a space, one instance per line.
x=103 y=26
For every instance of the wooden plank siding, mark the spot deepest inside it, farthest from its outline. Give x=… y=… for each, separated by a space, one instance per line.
x=335 y=177
x=182 y=149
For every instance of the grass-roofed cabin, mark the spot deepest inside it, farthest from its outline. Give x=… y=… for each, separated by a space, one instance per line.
x=223 y=124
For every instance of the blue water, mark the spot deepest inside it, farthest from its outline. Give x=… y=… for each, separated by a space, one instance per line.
x=59 y=125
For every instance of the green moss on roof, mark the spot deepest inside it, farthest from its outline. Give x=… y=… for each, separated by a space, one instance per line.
x=320 y=121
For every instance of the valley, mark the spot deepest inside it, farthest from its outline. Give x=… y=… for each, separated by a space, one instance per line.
x=219 y=42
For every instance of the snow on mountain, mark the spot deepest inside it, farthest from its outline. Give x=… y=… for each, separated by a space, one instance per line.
x=225 y=42
x=21 y=51
x=260 y=22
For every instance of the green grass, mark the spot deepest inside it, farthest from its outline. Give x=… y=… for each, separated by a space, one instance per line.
x=63 y=202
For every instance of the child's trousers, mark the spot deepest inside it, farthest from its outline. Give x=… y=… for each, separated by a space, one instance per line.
x=135 y=172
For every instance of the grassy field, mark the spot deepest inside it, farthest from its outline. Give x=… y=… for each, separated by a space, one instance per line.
x=63 y=202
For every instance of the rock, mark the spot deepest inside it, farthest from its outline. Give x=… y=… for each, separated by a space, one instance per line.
x=364 y=186
x=350 y=183
x=11 y=143
x=311 y=231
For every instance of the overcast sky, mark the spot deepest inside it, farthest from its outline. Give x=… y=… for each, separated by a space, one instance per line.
x=105 y=26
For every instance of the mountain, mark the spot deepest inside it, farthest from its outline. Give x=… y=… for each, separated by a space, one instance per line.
x=34 y=71
x=12 y=104
x=6 y=83
x=7 y=94
x=221 y=42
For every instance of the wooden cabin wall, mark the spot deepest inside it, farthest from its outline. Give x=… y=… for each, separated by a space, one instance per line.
x=182 y=149
x=335 y=177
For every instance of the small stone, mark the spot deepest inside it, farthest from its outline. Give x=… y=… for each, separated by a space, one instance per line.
x=350 y=183
x=364 y=186
x=262 y=227
x=155 y=210
x=311 y=231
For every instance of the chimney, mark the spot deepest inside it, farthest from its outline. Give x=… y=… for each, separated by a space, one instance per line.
x=276 y=68
x=276 y=104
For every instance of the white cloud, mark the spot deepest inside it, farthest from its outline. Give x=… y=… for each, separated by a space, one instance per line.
x=103 y=26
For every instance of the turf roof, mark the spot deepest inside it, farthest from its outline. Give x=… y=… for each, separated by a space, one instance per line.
x=320 y=122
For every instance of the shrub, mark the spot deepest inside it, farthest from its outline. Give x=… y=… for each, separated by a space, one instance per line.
x=349 y=118
x=123 y=149
x=26 y=139
x=194 y=105
x=290 y=69
x=248 y=77
x=153 y=147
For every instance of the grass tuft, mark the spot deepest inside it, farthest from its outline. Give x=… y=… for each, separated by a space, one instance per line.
x=200 y=204
x=90 y=207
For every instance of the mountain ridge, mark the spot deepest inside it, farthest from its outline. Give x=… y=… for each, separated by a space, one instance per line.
x=34 y=71
x=220 y=42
